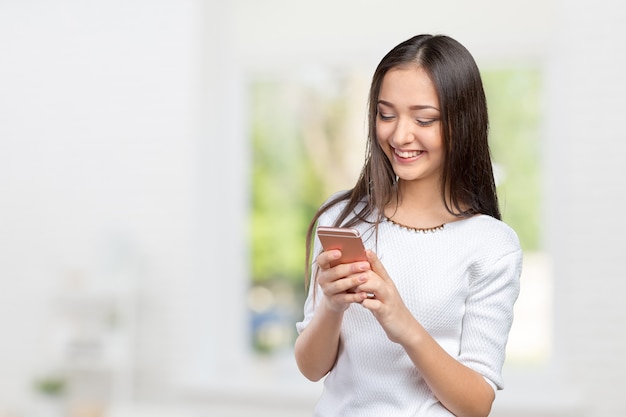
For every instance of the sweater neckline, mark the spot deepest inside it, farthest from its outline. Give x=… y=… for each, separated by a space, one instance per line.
x=417 y=229
x=434 y=229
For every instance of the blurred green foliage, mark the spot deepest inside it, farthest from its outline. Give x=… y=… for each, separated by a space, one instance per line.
x=514 y=101
x=285 y=190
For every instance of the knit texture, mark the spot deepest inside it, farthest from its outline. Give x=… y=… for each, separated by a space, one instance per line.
x=460 y=283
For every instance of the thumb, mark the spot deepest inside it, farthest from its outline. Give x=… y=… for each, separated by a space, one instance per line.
x=377 y=265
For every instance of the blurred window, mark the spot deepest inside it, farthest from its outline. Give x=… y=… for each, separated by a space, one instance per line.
x=308 y=135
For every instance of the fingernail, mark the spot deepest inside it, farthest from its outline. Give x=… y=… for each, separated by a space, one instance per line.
x=363 y=266
x=363 y=278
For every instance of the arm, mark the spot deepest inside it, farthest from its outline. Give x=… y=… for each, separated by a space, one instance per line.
x=458 y=387
x=317 y=346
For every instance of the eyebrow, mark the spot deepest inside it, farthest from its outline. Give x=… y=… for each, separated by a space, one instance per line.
x=414 y=107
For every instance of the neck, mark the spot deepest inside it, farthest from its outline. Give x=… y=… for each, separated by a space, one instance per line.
x=418 y=205
x=420 y=195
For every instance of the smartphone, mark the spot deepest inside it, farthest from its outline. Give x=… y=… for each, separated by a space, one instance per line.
x=347 y=240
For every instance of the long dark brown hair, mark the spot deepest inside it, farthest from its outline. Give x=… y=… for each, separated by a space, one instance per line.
x=467 y=182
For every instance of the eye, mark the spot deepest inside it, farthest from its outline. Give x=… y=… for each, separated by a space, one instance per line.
x=426 y=122
x=385 y=117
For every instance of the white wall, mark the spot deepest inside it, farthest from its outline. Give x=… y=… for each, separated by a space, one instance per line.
x=97 y=148
x=123 y=121
x=587 y=236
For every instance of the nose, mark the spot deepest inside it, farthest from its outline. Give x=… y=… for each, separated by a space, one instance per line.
x=404 y=132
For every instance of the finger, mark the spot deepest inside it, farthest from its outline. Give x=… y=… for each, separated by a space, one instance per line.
x=377 y=266
x=351 y=297
x=325 y=259
x=372 y=304
x=369 y=287
x=349 y=283
x=344 y=270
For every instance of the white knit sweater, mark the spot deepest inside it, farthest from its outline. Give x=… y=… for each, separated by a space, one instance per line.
x=460 y=283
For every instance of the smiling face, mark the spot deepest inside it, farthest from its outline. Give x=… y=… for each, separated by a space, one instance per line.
x=408 y=126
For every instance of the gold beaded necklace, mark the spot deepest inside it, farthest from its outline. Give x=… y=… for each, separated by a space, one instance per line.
x=416 y=229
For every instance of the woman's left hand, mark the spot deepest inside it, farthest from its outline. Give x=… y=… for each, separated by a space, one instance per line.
x=386 y=303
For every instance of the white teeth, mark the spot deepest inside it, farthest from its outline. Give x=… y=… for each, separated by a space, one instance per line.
x=407 y=154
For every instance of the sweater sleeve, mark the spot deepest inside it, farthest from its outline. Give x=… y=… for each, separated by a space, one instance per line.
x=314 y=293
x=312 y=300
x=494 y=288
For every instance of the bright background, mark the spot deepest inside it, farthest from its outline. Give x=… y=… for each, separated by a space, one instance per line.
x=129 y=187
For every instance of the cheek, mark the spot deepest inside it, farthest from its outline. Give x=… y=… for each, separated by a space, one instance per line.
x=435 y=141
x=382 y=133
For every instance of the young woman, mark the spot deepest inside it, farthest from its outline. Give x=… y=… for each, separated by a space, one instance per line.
x=420 y=328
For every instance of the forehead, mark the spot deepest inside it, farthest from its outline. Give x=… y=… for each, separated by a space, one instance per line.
x=410 y=85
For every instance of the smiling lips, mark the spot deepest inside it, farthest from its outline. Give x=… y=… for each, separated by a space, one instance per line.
x=407 y=154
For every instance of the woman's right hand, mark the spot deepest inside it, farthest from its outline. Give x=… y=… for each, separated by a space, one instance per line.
x=316 y=348
x=338 y=282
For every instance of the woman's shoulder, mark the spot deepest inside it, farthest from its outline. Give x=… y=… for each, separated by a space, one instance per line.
x=493 y=225
x=488 y=230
